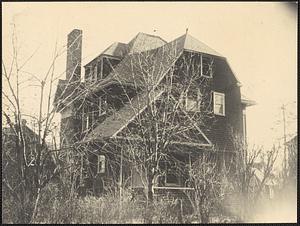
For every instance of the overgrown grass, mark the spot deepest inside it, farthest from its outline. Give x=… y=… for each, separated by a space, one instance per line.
x=91 y=210
x=102 y=210
x=60 y=207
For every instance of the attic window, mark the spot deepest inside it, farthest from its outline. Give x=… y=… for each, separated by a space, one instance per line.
x=206 y=66
x=219 y=103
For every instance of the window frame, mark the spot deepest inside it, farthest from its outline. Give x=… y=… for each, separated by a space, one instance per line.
x=101 y=159
x=192 y=103
x=95 y=72
x=199 y=99
x=223 y=103
x=170 y=184
x=196 y=102
x=85 y=119
x=102 y=105
x=210 y=67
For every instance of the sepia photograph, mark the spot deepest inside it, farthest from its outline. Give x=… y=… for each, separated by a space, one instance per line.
x=149 y=112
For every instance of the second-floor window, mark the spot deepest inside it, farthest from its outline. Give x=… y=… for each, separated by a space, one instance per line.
x=219 y=103
x=191 y=102
x=206 y=66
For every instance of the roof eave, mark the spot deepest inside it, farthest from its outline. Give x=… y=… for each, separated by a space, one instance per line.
x=248 y=103
x=210 y=54
x=102 y=55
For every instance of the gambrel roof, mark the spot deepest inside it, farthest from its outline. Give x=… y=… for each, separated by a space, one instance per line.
x=116 y=122
x=156 y=62
x=130 y=70
x=193 y=44
x=146 y=58
x=137 y=67
x=140 y=43
x=143 y=42
x=116 y=49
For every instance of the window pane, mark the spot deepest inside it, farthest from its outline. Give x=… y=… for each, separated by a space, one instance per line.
x=219 y=103
x=101 y=164
x=171 y=179
x=191 y=105
x=218 y=99
x=220 y=108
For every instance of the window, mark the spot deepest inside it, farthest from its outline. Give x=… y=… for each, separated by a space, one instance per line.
x=170 y=175
x=182 y=99
x=85 y=119
x=102 y=105
x=206 y=66
x=190 y=102
x=172 y=180
x=87 y=73
x=199 y=99
x=95 y=73
x=101 y=164
x=219 y=103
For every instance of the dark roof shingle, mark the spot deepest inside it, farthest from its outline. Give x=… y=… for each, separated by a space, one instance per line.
x=139 y=69
x=120 y=119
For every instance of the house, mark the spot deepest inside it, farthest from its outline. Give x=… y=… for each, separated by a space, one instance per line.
x=270 y=184
x=10 y=140
x=291 y=160
x=20 y=142
x=100 y=108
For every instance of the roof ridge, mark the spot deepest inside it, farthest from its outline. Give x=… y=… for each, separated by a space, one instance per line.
x=185 y=36
x=156 y=36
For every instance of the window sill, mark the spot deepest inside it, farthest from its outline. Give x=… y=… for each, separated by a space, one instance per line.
x=223 y=115
x=205 y=76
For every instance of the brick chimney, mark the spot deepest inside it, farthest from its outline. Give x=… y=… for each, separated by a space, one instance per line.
x=74 y=50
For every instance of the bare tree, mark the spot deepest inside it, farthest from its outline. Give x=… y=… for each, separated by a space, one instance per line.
x=33 y=153
x=209 y=183
x=243 y=173
x=171 y=105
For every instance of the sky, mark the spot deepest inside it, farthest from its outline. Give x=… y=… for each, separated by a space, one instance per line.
x=259 y=39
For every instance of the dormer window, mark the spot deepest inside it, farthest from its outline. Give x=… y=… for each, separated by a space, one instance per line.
x=206 y=66
x=219 y=103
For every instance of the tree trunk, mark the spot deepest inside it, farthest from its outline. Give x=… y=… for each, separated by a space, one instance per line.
x=204 y=217
x=34 y=213
x=179 y=211
x=149 y=207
